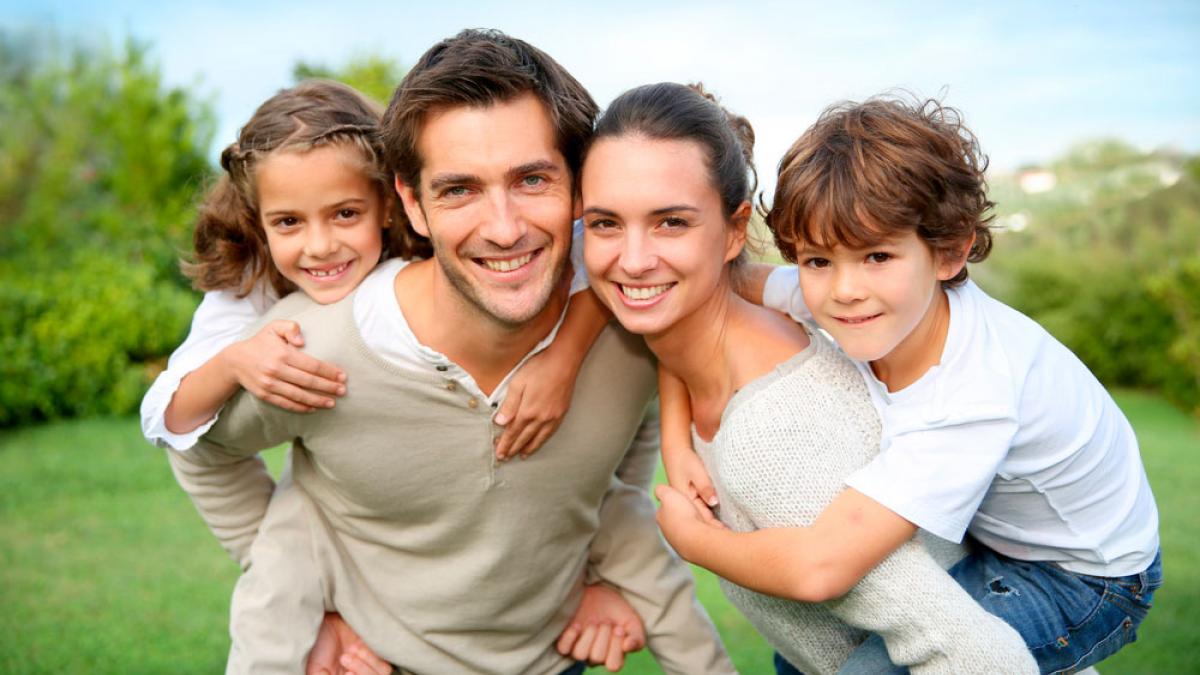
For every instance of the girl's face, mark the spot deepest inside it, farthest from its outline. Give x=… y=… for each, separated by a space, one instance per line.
x=323 y=217
x=656 y=241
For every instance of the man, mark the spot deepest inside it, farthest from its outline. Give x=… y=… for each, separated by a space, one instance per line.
x=400 y=517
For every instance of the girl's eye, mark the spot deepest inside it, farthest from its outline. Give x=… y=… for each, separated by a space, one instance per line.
x=879 y=257
x=287 y=222
x=347 y=214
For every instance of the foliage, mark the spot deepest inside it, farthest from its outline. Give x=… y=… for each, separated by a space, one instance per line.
x=374 y=76
x=1109 y=262
x=99 y=169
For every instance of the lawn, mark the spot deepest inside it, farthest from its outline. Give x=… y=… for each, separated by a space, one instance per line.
x=105 y=567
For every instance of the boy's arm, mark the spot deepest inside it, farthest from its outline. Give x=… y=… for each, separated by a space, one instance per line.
x=685 y=471
x=540 y=392
x=811 y=564
x=752 y=281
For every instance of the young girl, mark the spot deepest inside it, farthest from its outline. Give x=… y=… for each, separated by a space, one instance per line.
x=990 y=426
x=666 y=189
x=306 y=205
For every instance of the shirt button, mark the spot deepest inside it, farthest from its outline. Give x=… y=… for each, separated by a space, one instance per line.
x=443 y=368
x=451 y=386
x=472 y=403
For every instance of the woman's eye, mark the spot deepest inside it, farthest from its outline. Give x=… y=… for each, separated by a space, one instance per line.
x=672 y=222
x=879 y=257
x=601 y=224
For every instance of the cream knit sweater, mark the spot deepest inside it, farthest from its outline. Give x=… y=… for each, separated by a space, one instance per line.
x=786 y=443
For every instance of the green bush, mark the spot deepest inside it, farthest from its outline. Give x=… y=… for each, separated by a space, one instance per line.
x=100 y=164
x=1109 y=265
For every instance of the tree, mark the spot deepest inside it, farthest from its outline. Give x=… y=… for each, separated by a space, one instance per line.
x=374 y=76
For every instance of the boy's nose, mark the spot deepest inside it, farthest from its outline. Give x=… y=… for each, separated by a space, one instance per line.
x=847 y=285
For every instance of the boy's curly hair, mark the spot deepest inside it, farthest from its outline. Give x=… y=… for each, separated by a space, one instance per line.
x=865 y=172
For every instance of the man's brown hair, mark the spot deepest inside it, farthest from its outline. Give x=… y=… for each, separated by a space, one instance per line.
x=479 y=68
x=869 y=171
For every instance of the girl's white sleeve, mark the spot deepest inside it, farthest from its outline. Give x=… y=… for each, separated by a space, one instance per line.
x=579 y=278
x=219 y=321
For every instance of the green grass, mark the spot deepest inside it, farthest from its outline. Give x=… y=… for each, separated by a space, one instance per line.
x=105 y=567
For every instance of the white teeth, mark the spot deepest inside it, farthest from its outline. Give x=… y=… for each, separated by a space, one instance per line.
x=329 y=272
x=643 y=292
x=507 y=265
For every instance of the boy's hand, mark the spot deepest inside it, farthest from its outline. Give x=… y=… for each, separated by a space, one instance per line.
x=603 y=630
x=537 y=401
x=683 y=520
x=271 y=366
x=340 y=651
x=686 y=473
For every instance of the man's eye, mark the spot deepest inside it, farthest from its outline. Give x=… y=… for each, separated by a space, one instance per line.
x=533 y=181
x=455 y=191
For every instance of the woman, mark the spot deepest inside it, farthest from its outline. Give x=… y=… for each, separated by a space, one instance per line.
x=780 y=416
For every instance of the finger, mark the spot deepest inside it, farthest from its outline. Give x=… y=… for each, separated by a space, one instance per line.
x=567 y=640
x=615 y=659
x=526 y=435
x=286 y=404
x=510 y=406
x=583 y=647
x=599 y=652
x=508 y=439
x=542 y=436
x=299 y=396
x=289 y=331
x=305 y=380
x=372 y=663
x=314 y=366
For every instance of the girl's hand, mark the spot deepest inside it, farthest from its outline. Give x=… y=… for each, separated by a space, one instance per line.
x=683 y=520
x=538 y=398
x=271 y=366
x=339 y=651
x=603 y=630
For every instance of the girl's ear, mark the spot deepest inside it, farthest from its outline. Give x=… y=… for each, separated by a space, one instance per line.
x=950 y=264
x=735 y=234
x=412 y=207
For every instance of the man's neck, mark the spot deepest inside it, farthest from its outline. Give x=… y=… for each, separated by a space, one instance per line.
x=443 y=320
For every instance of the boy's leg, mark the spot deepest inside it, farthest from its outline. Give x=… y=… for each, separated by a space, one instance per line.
x=1069 y=621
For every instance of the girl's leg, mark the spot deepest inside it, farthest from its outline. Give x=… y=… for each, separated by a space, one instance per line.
x=1069 y=621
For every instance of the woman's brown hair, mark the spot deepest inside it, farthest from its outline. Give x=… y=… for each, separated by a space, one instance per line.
x=230 y=244
x=869 y=171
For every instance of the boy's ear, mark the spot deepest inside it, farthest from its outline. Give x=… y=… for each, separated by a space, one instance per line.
x=412 y=207
x=735 y=234
x=949 y=265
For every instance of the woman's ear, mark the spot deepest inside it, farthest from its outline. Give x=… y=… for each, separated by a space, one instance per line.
x=735 y=234
x=412 y=207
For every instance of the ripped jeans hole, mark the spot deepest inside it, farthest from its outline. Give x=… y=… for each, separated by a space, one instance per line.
x=996 y=587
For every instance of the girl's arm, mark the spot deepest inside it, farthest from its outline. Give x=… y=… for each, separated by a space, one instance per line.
x=269 y=365
x=540 y=392
x=685 y=471
x=811 y=564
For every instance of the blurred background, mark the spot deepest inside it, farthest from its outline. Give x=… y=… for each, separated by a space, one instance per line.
x=112 y=115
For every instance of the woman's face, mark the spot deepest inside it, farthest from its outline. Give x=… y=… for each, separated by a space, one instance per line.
x=656 y=241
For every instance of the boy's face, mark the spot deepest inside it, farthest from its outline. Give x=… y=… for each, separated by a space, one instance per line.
x=880 y=303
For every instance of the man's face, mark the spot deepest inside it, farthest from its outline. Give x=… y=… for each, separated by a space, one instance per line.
x=496 y=202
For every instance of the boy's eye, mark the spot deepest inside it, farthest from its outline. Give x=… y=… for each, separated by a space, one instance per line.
x=879 y=257
x=816 y=263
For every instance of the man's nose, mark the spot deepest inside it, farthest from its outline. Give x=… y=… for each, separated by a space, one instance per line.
x=504 y=223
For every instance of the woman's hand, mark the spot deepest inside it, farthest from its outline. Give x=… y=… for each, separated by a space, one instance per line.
x=537 y=400
x=603 y=630
x=271 y=366
x=340 y=651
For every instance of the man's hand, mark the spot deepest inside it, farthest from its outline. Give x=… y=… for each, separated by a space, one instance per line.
x=603 y=630
x=340 y=651
x=683 y=520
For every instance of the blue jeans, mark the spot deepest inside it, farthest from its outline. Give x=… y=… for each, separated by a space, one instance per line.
x=1069 y=621
x=576 y=669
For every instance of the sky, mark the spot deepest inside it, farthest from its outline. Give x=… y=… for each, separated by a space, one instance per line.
x=1031 y=78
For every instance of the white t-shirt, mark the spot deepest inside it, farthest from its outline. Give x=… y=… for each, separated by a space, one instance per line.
x=1010 y=438
x=222 y=319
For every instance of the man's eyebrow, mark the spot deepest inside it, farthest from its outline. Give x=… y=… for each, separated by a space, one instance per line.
x=536 y=166
x=447 y=179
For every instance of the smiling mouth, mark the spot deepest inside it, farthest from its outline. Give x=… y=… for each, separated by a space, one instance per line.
x=644 y=292
x=327 y=272
x=506 y=265
x=857 y=320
